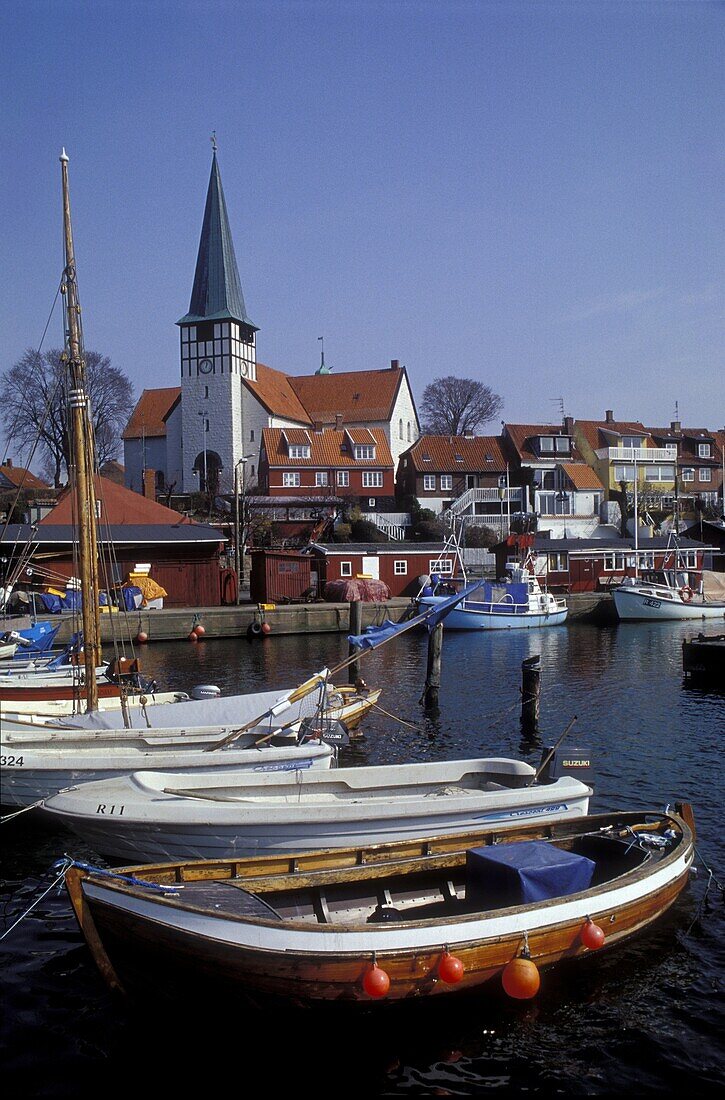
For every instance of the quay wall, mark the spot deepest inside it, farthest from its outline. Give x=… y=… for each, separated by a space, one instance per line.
x=174 y=624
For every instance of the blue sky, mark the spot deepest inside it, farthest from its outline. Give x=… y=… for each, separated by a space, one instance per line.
x=525 y=193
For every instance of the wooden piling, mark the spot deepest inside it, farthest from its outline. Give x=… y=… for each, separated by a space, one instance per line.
x=530 y=694
x=433 y=672
x=355 y=627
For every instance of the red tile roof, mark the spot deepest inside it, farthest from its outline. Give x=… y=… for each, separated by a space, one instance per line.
x=598 y=433
x=273 y=389
x=522 y=436
x=118 y=506
x=326 y=450
x=297 y=435
x=480 y=454
x=363 y=395
x=581 y=475
x=20 y=478
x=362 y=436
x=149 y=417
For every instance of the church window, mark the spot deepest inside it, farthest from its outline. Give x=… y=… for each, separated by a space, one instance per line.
x=225 y=328
x=217 y=331
x=217 y=347
x=185 y=336
x=251 y=436
x=401 y=428
x=192 y=333
x=206 y=392
x=409 y=431
x=225 y=347
x=252 y=469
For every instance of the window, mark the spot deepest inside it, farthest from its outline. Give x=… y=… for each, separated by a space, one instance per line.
x=345 y=568
x=252 y=469
x=614 y=562
x=99 y=508
x=206 y=392
x=545 y=444
x=290 y=479
x=705 y=474
x=458 y=458
x=429 y=482
x=689 y=559
x=558 y=563
x=632 y=441
x=289 y=567
x=441 y=565
x=321 y=477
x=703 y=450
x=409 y=431
x=400 y=428
x=659 y=473
x=688 y=474
x=364 y=451
x=299 y=450
x=400 y=568
x=343 y=478
x=446 y=481
x=251 y=436
x=426 y=456
x=624 y=473
x=563 y=444
x=372 y=479
x=708 y=498
x=372 y=502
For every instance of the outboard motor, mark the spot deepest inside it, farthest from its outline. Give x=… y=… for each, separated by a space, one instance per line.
x=563 y=761
x=205 y=691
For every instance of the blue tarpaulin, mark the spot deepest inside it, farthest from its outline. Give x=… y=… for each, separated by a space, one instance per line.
x=524 y=871
x=376 y=635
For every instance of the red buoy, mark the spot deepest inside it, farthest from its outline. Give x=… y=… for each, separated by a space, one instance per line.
x=142 y=637
x=199 y=631
x=376 y=982
x=521 y=979
x=193 y=637
x=592 y=936
x=266 y=628
x=450 y=969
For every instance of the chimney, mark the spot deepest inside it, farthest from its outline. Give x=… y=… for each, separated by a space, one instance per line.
x=569 y=424
x=609 y=416
x=8 y=462
x=468 y=434
x=338 y=422
x=149 y=484
x=317 y=427
x=395 y=364
x=676 y=426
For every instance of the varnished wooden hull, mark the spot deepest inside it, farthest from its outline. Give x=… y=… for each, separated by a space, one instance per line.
x=69 y=691
x=139 y=943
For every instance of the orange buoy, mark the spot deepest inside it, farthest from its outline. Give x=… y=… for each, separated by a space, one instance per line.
x=592 y=936
x=266 y=628
x=199 y=630
x=521 y=979
x=193 y=637
x=142 y=637
x=376 y=982
x=450 y=969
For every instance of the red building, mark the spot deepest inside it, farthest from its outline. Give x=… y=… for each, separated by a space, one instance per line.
x=591 y=565
x=353 y=464
x=399 y=565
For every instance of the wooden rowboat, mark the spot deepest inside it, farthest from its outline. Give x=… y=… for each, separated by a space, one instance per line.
x=388 y=922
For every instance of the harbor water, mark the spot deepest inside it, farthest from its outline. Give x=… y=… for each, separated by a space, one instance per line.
x=646 y=1019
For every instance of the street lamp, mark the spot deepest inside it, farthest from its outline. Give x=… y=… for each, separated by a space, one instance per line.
x=238 y=548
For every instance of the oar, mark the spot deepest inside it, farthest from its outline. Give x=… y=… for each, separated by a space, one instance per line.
x=551 y=752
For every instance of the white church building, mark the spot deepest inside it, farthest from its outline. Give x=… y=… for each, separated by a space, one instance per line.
x=196 y=434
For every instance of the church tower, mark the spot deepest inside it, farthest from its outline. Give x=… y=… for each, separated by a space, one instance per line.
x=218 y=351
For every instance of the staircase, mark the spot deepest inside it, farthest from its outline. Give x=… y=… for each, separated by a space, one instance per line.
x=392 y=524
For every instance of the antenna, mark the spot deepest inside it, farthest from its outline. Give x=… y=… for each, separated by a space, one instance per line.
x=560 y=402
x=677 y=410
x=322 y=359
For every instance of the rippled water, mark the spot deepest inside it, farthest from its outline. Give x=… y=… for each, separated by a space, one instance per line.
x=646 y=1019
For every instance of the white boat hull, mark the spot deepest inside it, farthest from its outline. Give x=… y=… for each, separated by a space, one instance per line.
x=633 y=604
x=466 y=617
x=143 y=819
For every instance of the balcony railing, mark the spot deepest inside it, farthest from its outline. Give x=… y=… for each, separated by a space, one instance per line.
x=642 y=454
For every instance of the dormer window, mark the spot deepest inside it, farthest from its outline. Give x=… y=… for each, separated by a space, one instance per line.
x=546 y=444
x=426 y=456
x=563 y=444
x=364 y=452
x=703 y=450
x=458 y=458
x=632 y=441
x=489 y=458
x=299 y=450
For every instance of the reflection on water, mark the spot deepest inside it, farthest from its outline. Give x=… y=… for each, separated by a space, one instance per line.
x=644 y=1019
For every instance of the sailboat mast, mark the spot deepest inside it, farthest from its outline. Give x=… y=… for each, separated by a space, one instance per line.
x=82 y=445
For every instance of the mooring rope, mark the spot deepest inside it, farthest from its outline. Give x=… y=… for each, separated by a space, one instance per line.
x=62 y=865
x=17 y=813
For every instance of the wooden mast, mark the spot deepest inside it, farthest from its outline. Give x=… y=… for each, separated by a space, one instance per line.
x=82 y=443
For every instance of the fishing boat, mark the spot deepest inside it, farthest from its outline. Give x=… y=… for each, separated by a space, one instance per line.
x=152 y=815
x=418 y=918
x=670 y=594
x=518 y=603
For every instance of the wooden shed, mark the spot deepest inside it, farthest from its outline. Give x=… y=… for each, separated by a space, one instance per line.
x=280 y=576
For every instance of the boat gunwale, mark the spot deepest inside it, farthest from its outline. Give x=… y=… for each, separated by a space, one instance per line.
x=683 y=849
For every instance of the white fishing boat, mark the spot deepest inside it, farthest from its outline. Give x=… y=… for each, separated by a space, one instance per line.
x=670 y=594
x=519 y=603
x=156 y=815
x=7 y=650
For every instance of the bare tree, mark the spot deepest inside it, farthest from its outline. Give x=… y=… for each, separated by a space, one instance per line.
x=33 y=398
x=454 y=406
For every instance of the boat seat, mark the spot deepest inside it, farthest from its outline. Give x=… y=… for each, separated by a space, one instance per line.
x=229 y=899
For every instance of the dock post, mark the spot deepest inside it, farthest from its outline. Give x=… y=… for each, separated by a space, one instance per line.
x=530 y=694
x=355 y=627
x=433 y=672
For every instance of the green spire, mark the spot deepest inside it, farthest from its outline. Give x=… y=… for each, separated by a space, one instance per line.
x=217 y=292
